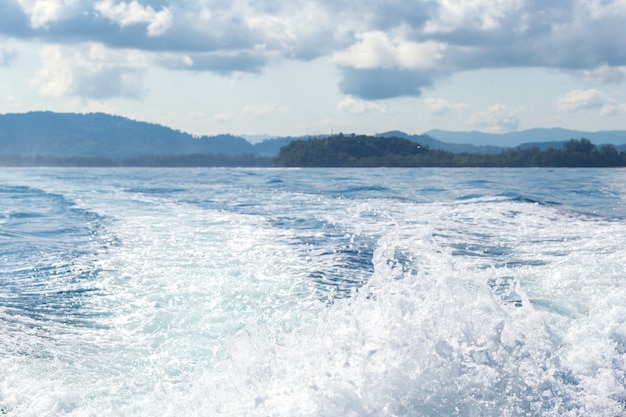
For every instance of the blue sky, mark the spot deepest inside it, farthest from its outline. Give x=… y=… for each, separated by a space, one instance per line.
x=300 y=67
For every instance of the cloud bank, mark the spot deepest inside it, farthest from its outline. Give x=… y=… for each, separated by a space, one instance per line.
x=383 y=49
x=91 y=71
x=127 y=14
x=591 y=100
x=496 y=119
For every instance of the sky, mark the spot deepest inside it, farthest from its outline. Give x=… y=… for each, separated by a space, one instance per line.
x=303 y=67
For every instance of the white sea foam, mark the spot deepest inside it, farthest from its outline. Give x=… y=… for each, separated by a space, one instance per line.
x=472 y=306
x=432 y=339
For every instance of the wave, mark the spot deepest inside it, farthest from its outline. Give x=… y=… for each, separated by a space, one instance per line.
x=230 y=297
x=48 y=249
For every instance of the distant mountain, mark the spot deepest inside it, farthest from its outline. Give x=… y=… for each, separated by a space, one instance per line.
x=256 y=138
x=98 y=134
x=271 y=147
x=102 y=135
x=512 y=139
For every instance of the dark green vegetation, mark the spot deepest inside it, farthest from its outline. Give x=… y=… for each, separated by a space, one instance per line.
x=349 y=151
x=189 y=160
x=370 y=151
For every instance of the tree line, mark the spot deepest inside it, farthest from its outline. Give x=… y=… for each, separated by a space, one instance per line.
x=191 y=160
x=372 y=151
x=352 y=151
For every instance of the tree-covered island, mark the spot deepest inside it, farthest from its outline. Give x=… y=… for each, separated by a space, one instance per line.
x=373 y=151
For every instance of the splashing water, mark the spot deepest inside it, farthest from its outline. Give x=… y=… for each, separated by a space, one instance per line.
x=312 y=293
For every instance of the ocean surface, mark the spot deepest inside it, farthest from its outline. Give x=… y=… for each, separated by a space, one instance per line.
x=312 y=292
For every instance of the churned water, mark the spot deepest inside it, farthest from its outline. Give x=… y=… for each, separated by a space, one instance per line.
x=383 y=292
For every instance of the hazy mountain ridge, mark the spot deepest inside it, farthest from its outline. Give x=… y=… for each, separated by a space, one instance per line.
x=523 y=137
x=103 y=135
x=99 y=134
x=435 y=144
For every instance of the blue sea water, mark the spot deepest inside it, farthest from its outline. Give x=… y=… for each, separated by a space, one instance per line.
x=288 y=292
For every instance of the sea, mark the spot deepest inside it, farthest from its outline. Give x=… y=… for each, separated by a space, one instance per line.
x=312 y=292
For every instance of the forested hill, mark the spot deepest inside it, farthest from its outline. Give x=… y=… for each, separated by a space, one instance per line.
x=349 y=151
x=103 y=135
x=375 y=151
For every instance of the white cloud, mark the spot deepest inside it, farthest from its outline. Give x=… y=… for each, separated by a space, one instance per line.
x=582 y=100
x=377 y=49
x=272 y=29
x=125 y=14
x=471 y=14
x=604 y=74
x=496 y=119
x=224 y=117
x=355 y=106
x=174 y=61
x=296 y=29
x=384 y=49
x=93 y=106
x=439 y=106
x=590 y=100
x=43 y=12
x=90 y=71
x=606 y=8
